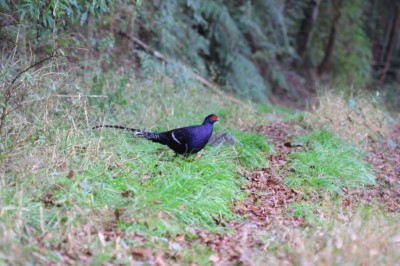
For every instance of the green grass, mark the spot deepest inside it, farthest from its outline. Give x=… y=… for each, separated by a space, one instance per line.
x=198 y=255
x=156 y=194
x=306 y=210
x=251 y=149
x=329 y=164
x=118 y=183
x=159 y=104
x=285 y=114
x=184 y=191
x=193 y=191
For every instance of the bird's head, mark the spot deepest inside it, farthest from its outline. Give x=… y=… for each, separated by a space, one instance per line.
x=211 y=119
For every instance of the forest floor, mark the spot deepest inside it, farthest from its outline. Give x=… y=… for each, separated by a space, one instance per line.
x=268 y=197
x=289 y=192
x=266 y=204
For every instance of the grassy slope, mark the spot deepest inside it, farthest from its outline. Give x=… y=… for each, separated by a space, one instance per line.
x=63 y=178
x=66 y=191
x=329 y=163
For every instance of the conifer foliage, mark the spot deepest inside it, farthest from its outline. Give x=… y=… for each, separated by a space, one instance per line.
x=256 y=49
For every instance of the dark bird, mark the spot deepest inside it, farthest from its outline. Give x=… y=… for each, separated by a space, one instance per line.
x=185 y=140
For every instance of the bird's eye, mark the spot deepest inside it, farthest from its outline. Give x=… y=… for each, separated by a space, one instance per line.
x=214 y=118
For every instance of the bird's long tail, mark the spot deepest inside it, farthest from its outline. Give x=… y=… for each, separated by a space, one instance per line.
x=156 y=137
x=136 y=132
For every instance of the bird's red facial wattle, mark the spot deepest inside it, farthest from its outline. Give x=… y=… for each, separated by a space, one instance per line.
x=214 y=118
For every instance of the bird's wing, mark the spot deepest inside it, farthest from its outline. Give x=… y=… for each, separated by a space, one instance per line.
x=180 y=136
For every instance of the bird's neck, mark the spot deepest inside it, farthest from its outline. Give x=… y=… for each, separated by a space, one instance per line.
x=208 y=127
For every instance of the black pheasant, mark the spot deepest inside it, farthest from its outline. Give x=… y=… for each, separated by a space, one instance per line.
x=185 y=140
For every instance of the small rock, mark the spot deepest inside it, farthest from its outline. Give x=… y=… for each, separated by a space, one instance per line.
x=175 y=246
x=214 y=258
x=222 y=137
x=395 y=239
x=397 y=169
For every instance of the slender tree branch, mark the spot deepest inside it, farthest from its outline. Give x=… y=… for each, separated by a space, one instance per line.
x=32 y=66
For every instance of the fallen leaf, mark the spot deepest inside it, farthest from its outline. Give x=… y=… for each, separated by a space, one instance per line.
x=71 y=174
x=160 y=259
x=214 y=258
x=142 y=253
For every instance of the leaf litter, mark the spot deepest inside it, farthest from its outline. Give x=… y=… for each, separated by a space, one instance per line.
x=268 y=198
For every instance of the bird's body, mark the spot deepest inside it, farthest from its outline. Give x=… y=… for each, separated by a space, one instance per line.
x=185 y=140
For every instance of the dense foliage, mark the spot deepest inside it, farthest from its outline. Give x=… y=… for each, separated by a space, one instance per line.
x=256 y=49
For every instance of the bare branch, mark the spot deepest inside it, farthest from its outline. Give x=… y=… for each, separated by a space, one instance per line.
x=32 y=66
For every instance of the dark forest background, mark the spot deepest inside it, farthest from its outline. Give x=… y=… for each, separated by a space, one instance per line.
x=279 y=51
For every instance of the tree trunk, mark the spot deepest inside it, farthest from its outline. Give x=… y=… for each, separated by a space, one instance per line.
x=393 y=37
x=307 y=30
x=324 y=65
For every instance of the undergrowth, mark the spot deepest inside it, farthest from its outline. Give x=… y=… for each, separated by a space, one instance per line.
x=160 y=104
x=357 y=119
